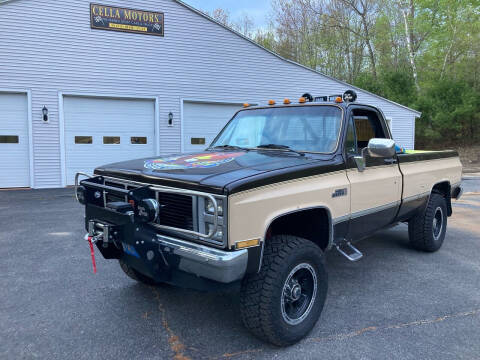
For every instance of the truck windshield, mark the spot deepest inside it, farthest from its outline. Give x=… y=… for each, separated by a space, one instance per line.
x=299 y=128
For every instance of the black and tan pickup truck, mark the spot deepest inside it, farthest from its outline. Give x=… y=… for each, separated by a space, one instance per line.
x=278 y=187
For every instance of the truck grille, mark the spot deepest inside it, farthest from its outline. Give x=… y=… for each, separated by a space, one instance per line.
x=175 y=210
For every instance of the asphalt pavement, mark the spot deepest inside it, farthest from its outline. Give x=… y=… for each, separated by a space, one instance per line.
x=396 y=303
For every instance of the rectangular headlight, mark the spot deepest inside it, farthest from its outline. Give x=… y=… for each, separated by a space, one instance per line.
x=219 y=234
x=210 y=209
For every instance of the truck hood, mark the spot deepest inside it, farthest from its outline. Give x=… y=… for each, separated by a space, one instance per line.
x=219 y=172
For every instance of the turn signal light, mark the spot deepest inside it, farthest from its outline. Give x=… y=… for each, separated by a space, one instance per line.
x=338 y=99
x=286 y=101
x=271 y=102
x=302 y=100
x=247 y=243
x=246 y=105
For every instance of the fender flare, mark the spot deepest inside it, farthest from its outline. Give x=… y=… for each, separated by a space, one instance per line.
x=253 y=267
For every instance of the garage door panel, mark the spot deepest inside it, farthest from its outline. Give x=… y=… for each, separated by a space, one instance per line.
x=14 y=141
x=111 y=118
x=204 y=120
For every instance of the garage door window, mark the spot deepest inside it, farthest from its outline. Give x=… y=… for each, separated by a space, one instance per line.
x=198 y=141
x=8 y=139
x=111 y=140
x=83 y=140
x=139 y=140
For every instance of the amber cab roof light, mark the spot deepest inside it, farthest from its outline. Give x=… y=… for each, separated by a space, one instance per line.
x=286 y=101
x=246 y=105
x=302 y=100
x=271 y=102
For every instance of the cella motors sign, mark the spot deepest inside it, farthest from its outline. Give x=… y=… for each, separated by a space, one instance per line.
x=113 y=18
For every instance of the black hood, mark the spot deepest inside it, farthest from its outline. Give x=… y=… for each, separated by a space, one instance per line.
x=222 y=172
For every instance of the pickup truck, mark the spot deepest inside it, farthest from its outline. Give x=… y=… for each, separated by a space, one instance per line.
x=258 y=209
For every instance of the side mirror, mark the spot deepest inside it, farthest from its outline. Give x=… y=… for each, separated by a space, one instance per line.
x=381 y=148
x=376 y=148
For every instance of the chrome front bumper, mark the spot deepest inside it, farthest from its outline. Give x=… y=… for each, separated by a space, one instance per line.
x=202 y=261
x=218 y=265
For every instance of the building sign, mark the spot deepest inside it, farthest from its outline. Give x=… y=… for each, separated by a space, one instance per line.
x=127 y=20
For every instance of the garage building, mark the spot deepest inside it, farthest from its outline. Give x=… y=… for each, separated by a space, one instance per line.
x=84 y=84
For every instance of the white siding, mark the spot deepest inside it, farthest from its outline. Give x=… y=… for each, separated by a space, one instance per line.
x=196 y=59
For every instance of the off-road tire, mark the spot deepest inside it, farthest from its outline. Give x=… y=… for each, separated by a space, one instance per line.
x=261 y=294
x=421 y=228
x=135 y=275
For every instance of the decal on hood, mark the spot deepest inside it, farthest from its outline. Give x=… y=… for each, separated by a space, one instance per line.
x=192 y=161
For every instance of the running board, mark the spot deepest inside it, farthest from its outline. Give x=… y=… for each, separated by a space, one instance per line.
x=353 y=255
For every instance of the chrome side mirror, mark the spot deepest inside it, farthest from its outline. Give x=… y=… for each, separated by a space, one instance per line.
x=381 y=148
x=376 y=148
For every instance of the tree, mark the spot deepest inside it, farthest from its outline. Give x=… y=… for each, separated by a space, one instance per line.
x=366 y=10
x=245 y=25
x=407 y=7
x=222 y=16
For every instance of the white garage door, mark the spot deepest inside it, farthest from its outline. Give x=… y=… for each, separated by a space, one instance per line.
x=202 y=123
x=14 y=148
x=101 y=131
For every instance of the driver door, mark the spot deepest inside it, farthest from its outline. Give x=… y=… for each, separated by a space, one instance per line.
x=376 y=191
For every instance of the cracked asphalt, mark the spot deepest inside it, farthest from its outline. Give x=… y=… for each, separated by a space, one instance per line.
x=395 y=303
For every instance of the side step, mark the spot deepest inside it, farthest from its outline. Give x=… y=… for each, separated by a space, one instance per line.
x=349 y=251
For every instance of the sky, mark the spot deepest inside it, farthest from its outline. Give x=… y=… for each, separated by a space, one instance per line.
x=256 y=9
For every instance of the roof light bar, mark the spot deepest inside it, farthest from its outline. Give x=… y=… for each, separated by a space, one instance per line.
x=349 y=96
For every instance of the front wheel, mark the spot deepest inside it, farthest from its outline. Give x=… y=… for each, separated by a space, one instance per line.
x=427 y=231
x=282 y=303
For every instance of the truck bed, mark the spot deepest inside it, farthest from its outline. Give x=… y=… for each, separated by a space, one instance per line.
x=422 y=171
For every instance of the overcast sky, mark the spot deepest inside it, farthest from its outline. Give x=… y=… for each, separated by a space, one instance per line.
x=256 y=9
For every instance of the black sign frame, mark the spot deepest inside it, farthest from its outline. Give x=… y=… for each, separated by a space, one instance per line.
x=122 y=24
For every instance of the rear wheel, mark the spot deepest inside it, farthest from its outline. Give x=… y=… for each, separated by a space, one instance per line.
x=427 y=231
x=135 y=275
x=283 y=302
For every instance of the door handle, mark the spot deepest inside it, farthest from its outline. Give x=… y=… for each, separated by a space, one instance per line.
x=390 y=161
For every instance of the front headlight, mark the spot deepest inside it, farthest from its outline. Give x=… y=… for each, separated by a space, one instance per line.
x=206 y=214
x=219 y=234
x=210 y=209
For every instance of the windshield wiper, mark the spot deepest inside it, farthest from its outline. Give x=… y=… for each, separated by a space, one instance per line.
x=280 y=147
x=231 y=147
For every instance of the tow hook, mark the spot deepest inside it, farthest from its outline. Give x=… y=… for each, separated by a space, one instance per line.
x=93 y=237
x=91 y=240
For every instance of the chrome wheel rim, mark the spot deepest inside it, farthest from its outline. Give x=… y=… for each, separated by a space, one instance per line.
x=437 y=223
x=299 y=293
